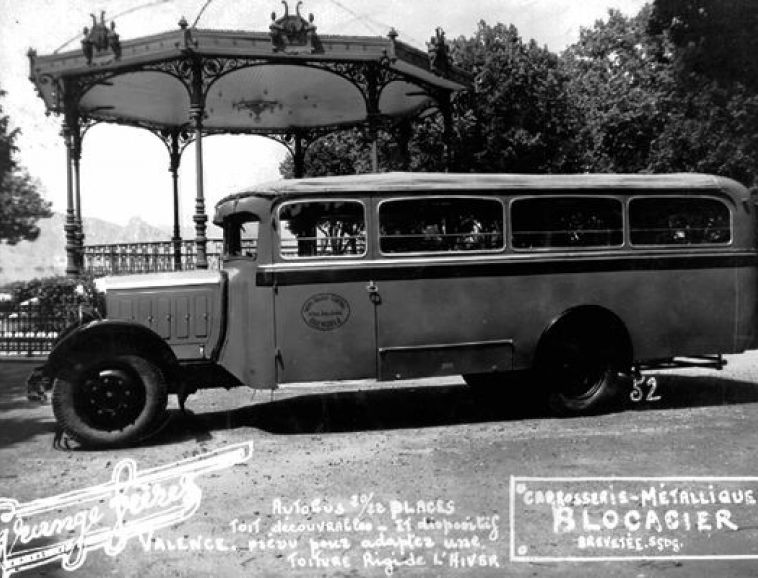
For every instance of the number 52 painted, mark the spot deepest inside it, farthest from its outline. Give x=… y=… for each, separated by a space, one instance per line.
x=643 y=389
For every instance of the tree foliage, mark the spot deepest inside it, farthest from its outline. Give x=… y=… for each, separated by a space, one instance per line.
x=21 y=204
x=644 y=110
x=518 y=118
x=621 y=84
x=713 y=38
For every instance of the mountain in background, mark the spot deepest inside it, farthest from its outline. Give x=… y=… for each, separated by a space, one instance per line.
x=46 y=256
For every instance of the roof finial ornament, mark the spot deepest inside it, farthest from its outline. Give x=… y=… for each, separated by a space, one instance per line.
x=292 y=33
x=188 y=42
x=100 y=39
x=439 y=54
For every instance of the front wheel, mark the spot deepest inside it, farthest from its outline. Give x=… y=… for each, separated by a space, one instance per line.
x=113 y=400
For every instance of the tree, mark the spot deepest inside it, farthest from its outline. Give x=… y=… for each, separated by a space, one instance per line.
x=715 y=128
x=519 y=117
x=621 y=85
x=713 y=38
x=21 y=204
x=643 y=111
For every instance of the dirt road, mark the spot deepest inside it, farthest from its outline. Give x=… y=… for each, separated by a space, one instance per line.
x=414 y=479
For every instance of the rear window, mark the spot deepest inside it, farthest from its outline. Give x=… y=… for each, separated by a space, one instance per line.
x=322 y=229
x=566 y=222
x=679 y=221
x=441 y=225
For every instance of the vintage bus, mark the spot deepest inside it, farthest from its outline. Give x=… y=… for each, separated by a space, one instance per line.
x=581 y=278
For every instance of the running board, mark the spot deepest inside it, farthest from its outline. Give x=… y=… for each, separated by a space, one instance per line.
x=702 y=361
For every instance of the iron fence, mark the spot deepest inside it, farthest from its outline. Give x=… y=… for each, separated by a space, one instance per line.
x=148 y=257
x=30 y=329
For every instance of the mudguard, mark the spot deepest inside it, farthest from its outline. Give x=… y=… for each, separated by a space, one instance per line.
x=109 y=336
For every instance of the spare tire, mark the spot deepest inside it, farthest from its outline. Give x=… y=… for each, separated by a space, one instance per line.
x=112 y=400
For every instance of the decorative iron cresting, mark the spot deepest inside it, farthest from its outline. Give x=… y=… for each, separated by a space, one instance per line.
x=439 y=54
x=292 y=33
x=101 y=39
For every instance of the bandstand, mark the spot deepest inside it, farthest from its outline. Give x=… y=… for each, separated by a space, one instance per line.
x=288 y=83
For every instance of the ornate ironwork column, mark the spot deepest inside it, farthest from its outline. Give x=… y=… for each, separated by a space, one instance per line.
x=197 y=110
x=76 y=154
x=441 y=64
x=70 y=128
x=175 y=158
x=403 y=135
x=298 y=156
x=447 y=135
x=373 y=114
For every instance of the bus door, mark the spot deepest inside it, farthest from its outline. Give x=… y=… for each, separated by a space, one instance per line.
x=435 y=314
x=324 y=318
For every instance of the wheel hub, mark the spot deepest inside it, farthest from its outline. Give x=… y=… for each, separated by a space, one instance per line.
x=112 y=398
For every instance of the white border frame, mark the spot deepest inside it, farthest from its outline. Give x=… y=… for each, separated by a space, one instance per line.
x=513 y=557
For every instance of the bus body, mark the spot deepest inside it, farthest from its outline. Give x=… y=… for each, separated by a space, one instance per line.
x=396 y=276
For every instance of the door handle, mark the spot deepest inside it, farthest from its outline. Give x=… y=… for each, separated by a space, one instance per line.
x=373 y=293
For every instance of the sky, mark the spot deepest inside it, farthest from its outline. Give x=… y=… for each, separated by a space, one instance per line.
x=125 y=170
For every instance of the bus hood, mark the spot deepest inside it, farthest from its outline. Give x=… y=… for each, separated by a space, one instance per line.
x=184 y=308
x=158 y=280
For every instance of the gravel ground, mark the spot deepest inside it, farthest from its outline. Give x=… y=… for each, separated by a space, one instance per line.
x=406 y=479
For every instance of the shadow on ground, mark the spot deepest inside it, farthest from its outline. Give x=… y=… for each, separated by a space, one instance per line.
x=429 y=406
x=364 y=410
x=20 y=419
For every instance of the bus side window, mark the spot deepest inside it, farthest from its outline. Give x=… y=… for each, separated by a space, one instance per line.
x=322 y=229
x=565 y=222
x=440 y=225
x=679 y=221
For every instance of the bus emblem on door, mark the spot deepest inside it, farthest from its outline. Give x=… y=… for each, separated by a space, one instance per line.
x=326 y=311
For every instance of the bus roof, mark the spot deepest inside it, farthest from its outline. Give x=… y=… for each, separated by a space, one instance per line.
x=434 y=183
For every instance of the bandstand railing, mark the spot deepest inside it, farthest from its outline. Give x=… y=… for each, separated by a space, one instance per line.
x=148 y=257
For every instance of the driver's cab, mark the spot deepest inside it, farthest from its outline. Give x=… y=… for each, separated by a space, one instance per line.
x=287 y=319
x=248 y=350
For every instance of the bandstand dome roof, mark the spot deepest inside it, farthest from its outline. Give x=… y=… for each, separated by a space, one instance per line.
x=275 y=81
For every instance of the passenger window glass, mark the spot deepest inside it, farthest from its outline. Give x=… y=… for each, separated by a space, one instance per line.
x=565 y=222
x=322 y=229
x=679 y=221
x=440 y=225
x=241 y=235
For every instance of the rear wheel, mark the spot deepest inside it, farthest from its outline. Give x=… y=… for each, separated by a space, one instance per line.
x=112 y=400
x=581 y=375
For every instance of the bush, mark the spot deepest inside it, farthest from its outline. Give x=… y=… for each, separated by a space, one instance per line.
x=59 y=296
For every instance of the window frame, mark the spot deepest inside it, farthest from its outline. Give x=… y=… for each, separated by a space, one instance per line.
x=396 y=255
x=297 y=258
x=226 y=255
x=613 y=196
x=699 y=246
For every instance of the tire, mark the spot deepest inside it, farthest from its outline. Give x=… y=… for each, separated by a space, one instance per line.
x=581 y=378
x=111 y=401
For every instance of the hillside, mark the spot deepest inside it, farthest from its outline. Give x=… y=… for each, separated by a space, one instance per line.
x=47 y=255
